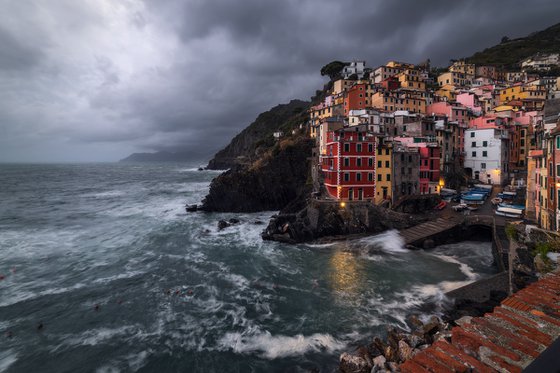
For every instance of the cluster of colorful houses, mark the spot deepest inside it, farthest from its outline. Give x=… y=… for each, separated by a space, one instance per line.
x=400 y=129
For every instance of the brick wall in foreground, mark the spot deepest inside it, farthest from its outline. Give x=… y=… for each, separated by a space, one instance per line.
x=506 y=340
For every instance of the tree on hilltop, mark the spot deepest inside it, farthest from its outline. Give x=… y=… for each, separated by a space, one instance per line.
x=332 y=69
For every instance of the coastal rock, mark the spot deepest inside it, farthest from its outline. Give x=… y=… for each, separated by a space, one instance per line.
x=191 y=208
x=233 y=221
x=379 y=363
x=248 y=144
x=405 y=351
x=269 y=183
x=353 y=364
x=327 y=219
x=222 y=224
x=428 y=244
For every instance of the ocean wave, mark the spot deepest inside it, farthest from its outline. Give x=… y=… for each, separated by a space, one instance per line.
x=277 y=346
x=7 y=358
x=463 y=267
x=390 y=242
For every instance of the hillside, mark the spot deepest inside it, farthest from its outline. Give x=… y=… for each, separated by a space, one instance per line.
x=257 y=137
x=508 y=54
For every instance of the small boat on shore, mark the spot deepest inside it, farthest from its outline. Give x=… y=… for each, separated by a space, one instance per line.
x=509 y=212
x=441 y=205
x=460 y=207
x=496 y=201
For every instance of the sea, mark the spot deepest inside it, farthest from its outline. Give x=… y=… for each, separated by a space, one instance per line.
x=103 y=270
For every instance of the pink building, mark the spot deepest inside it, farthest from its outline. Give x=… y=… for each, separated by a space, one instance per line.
x=470 y=100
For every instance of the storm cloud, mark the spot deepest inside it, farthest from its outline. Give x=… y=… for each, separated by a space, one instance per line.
x=96 y=80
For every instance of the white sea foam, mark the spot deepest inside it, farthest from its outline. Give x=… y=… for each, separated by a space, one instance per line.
x=277 y=346
x=7 y=358
x=94 y=337
x=463 y=267
x=390 y=241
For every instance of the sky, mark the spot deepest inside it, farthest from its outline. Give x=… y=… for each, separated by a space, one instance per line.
x=96 y=80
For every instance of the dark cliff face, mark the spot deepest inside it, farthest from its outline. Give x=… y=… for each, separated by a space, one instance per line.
x=257 y=137
x=269 y=183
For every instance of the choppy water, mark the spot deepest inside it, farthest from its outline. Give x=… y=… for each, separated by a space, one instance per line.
x=173 y=293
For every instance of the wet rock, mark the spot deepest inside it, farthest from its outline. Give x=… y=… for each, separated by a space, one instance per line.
x=222 y=224
x=364 y=354
x=200 y=169
x=428 y=244
x=463 y=320
x=541 y=265
x=234 y=221
x=391 y=353
x=353 y=364
x=415 y=321
x=379 y=363
x=379 y=345
x=432 y=326
x=405 y=351
x=415 y=340
x=191 y=208
x=258 y=222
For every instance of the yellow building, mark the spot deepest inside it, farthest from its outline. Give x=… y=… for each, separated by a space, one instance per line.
x=383 y=186
x=463 y=67
x=454 y=79
x=520 y=92
x=341 y=85
x=410 y=79
x=398 y=101
x=447 y=91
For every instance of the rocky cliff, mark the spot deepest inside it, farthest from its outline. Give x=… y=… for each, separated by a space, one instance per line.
x=269 y=183
x=327 y=219
x=250 y=143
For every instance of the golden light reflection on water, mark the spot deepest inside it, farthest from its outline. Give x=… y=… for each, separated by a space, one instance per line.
x=346 y=275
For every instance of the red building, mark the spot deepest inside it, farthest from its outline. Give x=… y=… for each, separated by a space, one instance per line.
x=349 y=165
x=355 y=98
x=429 y=168
x=391 y=83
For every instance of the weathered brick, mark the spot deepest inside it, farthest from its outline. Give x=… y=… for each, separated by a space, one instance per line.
x=505 y=365
x=513 y=315
x=463 y=357
x=446 y=359
x=471 y=341
x=410 y=366
x=507 y=339
x=526 y=330
x=429 y=363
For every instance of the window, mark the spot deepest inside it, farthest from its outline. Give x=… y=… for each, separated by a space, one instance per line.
x=387 y=164
x=410 y=170
x=485 y=153
x=387 y=151
x=347 y=162
x=359 y=176
x=378 y=177
x=359 y=148
x=346 y=177
x=473 y=144
x=558 y=169
x=346 y=147
x=388 y=177
x=359 y=162
x=370 y=176
x=370 y=148
x=474 y=154
x=370 y=162
x=379 y=151
x=379 y=164
x=472 y=134
x=557 y=142
x=485 y=144
x=483 y=166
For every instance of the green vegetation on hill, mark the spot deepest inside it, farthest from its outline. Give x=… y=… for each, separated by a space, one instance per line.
x=509 y=52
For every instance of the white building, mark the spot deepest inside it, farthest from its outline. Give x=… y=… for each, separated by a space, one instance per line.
x=540 y=62
x=487 y=155
x=355 y=67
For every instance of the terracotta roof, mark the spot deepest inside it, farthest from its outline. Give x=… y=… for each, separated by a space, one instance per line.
x=506 y=340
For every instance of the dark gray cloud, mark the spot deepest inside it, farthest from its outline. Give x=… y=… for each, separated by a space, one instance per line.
x=98 y=79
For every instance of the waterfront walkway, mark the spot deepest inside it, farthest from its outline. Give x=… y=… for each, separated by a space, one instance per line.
x=430 y=228
x=506 y=340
